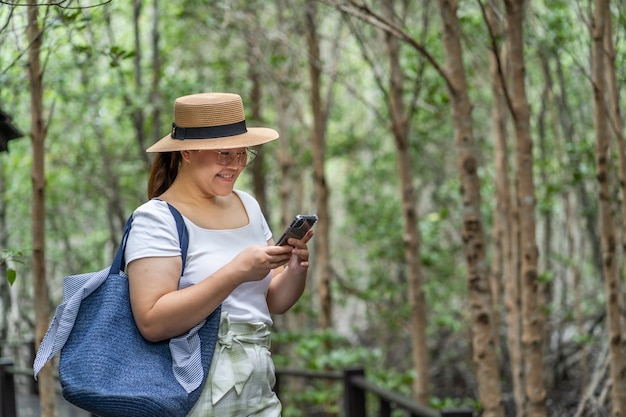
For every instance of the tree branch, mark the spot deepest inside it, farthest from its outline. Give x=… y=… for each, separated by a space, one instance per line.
x=364 y=13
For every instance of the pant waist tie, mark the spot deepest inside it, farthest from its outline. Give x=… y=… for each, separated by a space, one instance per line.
x=232 y=367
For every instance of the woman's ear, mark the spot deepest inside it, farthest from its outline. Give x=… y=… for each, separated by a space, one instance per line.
x=185 y=155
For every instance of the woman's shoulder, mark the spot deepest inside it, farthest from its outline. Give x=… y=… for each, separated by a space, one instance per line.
x=153 y=206
x=247 y=199
x=153 y=232
x=154 y=212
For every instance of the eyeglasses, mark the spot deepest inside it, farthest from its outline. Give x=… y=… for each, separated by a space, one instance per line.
x=243 y=158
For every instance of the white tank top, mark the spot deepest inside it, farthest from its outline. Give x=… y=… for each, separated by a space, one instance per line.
x=153 y=234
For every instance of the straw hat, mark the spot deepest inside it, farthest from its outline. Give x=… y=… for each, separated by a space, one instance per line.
x=211 y=121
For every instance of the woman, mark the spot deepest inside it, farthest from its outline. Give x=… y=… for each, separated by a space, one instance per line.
x=232 y=259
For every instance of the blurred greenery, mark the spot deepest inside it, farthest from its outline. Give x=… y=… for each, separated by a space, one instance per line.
x=110 y=83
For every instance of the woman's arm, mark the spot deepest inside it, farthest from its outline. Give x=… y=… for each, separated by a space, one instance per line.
x=162 y=311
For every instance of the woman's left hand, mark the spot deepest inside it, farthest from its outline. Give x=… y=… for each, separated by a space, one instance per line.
x=288 y=283
x=300 y=252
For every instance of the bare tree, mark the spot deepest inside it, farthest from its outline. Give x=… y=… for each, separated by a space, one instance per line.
x=608 y=240
x=138 y=113
x=546 y=287
x=481 y=306
x=531 y=331
x=155 y=92
x=35 y=33
x=254 y=57
x=289 y=177
x=318 y=140
x=400 y=116
x=616 y=124
x=506 y=226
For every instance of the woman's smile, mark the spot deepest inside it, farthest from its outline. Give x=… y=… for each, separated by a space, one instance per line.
x=227 y=176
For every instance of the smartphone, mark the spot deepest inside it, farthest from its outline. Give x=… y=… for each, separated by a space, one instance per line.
x=298 y=228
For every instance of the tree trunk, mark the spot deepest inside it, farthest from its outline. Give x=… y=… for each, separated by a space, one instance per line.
x=284 y=100
x=513 y=306
x=256 y=100
x=481 y=308
x=400 y=121
x=608 y=239
x=584 y=197
x=250 y=32
x=110 y=184
x=318 y=141
x=5 y=295
x=501 y=233
x=576 y=244
x=531 y=331
x=47 y=384
x=155 y=92
x=576 y=252
x=546 y=287
x=138 y=112
x=506 y=219
x=616 y=121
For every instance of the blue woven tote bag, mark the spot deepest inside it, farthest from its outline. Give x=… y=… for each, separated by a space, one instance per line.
x=106 y=366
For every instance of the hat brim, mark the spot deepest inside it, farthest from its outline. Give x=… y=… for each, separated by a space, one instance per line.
x=254 y=136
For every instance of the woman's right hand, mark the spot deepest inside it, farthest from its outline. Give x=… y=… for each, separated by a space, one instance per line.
x=255 y=262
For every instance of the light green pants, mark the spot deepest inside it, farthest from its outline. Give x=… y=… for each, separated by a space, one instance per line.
x=241 y=379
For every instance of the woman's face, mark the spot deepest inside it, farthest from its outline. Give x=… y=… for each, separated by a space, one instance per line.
x=214 y=172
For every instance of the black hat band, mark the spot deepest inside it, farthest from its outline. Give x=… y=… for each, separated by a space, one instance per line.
x=208 y=132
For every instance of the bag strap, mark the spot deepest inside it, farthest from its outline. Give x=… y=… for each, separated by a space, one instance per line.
x=183 y=236
x=119 y=263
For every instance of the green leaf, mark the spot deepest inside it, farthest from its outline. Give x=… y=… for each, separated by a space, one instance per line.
x=11 y=276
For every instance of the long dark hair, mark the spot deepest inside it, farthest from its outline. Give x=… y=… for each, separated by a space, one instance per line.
x=163 y=172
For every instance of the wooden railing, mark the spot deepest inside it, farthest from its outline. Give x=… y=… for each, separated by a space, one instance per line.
x=356 y=387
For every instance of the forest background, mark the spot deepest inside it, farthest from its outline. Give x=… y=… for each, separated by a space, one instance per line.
x=466 y=162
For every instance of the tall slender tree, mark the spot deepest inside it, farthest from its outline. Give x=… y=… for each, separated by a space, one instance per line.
x=547 y=221
x=616 y=121
x=319 y=108
x=616 y=127
x=505 y=217
x=284 y=97
x=608 y=240
x=531 y=331
x=480 y=293
x=35 y=35
x=138 y=113
x=500 y=229
x=400 y=118
x=155 y=90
